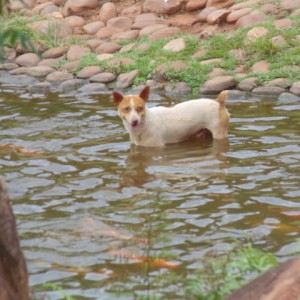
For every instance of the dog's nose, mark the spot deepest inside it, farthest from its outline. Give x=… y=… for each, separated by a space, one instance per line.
x=134 y=123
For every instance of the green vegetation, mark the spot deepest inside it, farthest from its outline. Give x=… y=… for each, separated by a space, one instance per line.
x=147 y=55
x=60 y=290
x=221 y=275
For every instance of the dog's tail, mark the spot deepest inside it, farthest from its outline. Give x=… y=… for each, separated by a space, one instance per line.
x=222 y=97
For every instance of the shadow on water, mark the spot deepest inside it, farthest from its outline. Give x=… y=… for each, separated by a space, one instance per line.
x=145 y=165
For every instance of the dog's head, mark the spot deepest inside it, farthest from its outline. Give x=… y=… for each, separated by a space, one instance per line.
x=131 y=108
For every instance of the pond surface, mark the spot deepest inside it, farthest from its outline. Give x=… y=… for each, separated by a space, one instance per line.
x=105 y=220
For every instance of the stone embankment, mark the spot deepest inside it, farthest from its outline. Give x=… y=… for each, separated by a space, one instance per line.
x=103 y=25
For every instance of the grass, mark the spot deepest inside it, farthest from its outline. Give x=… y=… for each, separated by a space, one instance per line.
x=223 y=274
x=280 y=58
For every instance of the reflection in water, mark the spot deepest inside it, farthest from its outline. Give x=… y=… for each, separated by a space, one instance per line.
x=144 y=165
x=101 y=218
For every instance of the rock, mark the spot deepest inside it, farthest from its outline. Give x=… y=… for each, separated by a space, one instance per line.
x=88 y=72
x=127 y=48
x=211 y=61
x=260 y=67
x=248 y=84
x=56 y=15
x=50 y=61
x=132 y=11
x=219 y=3
x=58 y=77
x=270 y=91
x=240 y=69
x=182 y=20
x=237 y=14
x=55 y=52
x=218 y=84
x=107 y=32
x=205 y=13
x=38 y=8
x=236 y=95
x=162 y=7
x=40 y=71
x=279 y=82
x=295 y=88
x=108 y=47
x=20 y=80
x=269 y=9
x=94 y=43
x=9 y=54
x=76 y=6
x=289 y=5
x=70 y=66
x=283 y=23
x=40 y=87
x=74 y=21
x=28 y=60
x=117 y=62
x=178 y=89
x=125 y=80
x=48 y=10
x=176 y=45
x=56 y=28
x=238 y=54
x=20 y=4
x=200 y=53
x=18 y=71
x=93 y=28
x=288 y=98
x=245 y=4
x=195 y=4
x=94 y=88
x=120 y=23
x=253 y=18
x=280 y=282
x=296 y=12
x=143 y=47
x=125 y=36
x=256 y=33
x=144 y=20
x=159 y=74
x=104 y=77
x=279 y=41
x=9 y=66
x=209 y=31
x=71 y=85
x=105 y=56
x=108 y=11
x=164 y=33
x=77 y=51
x=148 y=30
x=217 y=16
x=216 y=72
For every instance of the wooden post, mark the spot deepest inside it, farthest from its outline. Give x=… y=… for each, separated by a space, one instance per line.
x=13 y=270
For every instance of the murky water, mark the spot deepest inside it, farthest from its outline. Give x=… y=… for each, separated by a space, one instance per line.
x=92 y=209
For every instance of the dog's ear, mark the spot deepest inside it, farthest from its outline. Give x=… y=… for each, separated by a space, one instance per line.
x=117 y=98
x=144 y=94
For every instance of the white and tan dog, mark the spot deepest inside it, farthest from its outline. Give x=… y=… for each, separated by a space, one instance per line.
x=158 y=126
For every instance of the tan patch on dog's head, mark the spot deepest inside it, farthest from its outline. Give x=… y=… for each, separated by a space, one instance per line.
x=131 y=102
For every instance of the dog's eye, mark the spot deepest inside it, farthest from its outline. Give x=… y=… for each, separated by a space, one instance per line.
x=139 y=109
x=126 y=109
